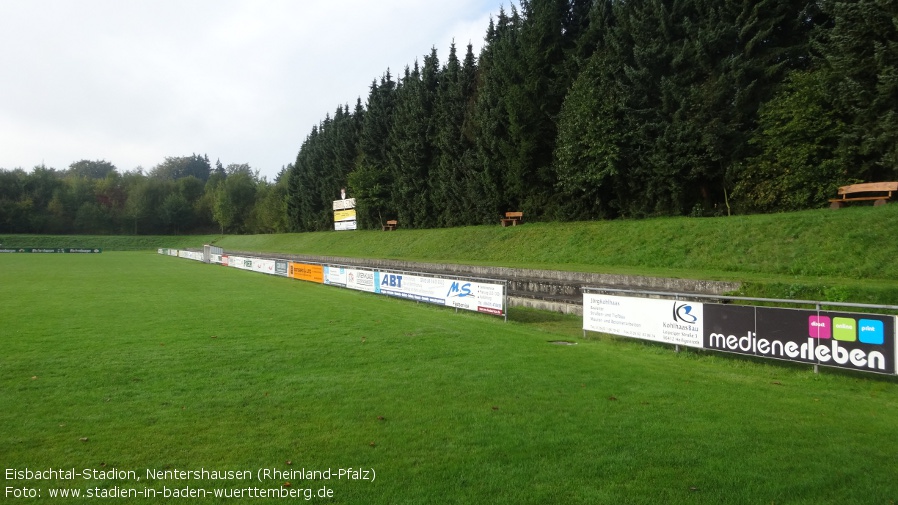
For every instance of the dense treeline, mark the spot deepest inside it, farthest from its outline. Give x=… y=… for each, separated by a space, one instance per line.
x=586 y=109
x=180 y=195
x=573 y=110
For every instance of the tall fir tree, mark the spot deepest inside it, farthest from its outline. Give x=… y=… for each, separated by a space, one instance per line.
x=861 y=52
x=371 y=180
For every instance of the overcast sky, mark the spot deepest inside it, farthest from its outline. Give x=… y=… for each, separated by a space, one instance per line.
x=134 y=81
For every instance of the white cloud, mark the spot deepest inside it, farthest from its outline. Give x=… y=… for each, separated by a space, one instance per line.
x=241 y=80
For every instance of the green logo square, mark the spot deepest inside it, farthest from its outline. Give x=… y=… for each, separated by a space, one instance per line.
x=845 y=329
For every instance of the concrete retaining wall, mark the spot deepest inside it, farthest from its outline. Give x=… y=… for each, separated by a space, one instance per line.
x=554 y=290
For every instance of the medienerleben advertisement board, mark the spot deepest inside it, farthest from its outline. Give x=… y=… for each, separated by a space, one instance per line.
x=864 y=342
x=666 y=321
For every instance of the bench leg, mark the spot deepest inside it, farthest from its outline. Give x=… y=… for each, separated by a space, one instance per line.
x=881 y=201
x=836 y=205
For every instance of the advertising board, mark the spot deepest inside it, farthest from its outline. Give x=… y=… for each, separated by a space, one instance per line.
x=346 y=203
x=362 y=280
x=281 y=267
x=305 y=272
x=241 y=262
x=344 y=215
x=73 y=250
x=476 y=296
x=413 y=287
x=666 y=321
x=345 y=225
x=264 y=266
x=335 y=275
x=864 y=342
x=462 y=294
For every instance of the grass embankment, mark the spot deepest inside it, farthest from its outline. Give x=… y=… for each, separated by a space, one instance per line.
x=841 y=256
x=107 y=242
x=136 y=361
x=845 y=255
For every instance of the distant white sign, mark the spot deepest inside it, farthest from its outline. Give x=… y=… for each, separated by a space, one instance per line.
x=346 y=203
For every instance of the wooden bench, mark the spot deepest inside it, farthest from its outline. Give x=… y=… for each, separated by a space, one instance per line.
x=879 y=192
x=512 y=218
x=391 y=225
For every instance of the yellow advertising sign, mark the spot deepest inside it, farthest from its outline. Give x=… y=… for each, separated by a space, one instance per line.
x=304 y=272
x=344 y=215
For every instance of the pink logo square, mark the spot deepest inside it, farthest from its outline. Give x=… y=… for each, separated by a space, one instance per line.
x=820 y=327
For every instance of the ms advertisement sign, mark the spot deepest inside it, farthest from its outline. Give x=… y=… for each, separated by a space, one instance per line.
x=864 y=342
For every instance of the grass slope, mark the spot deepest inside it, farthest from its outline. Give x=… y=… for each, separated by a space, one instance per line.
x=845 y=255
x=107 y=242
x=163 y=363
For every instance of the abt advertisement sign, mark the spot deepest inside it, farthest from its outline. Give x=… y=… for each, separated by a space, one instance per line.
x=864 y=342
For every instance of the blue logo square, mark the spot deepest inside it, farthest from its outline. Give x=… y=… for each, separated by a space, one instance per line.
x=870 y=331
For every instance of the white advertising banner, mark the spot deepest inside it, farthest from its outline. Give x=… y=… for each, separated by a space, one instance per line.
x=476 y=296
x=240 y=262
x=462 y=294
x=413 y=287
x=335 y=276
x=263 y=266
x=362 y=280
x=345 y=225
x=191 y=255
x=666 y=321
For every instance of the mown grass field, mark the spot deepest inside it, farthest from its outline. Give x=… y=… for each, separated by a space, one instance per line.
x=135 y=361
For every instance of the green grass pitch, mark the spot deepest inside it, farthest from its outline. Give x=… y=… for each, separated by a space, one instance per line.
x=135 y=362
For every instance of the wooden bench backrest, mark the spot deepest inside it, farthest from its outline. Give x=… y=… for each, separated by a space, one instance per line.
x=512 y=215
x=392 y=223
x=868 y=186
